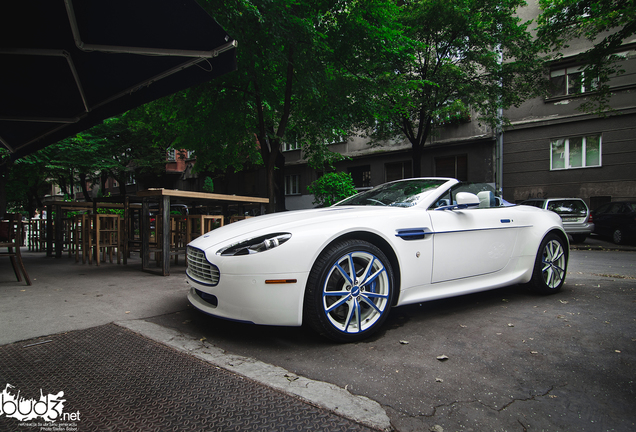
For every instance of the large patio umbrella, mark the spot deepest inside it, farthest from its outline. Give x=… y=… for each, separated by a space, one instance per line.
x=65 y=65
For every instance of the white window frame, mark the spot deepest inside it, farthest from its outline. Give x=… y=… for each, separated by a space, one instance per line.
x=291 y=145
x=292 y=184
x=171 y=155
x=566 y=153
x=569 y=75
x=130 y=179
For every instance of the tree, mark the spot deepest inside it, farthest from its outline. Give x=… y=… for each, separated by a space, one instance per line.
x=117 y=148
x=331 y=188
x=23 y=183
x=290 y=85
x=605 y=24
x=466 y=54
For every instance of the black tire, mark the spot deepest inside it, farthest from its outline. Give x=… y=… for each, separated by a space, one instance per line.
x=344 y=307
x=550 y=266
x=618 y=236
x=578 y=238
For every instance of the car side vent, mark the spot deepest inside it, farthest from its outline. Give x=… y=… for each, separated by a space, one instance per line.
x=200 y=269
x=413 y=233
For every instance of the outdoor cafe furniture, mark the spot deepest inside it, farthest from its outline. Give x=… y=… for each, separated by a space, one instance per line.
x=165 y=236
x=11 y=238
x=36 y=235
x=102 y=237
x=200 y=224
x=163 y=221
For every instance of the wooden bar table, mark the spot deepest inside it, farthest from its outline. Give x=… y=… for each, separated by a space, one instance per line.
x=54 y=226
x=164 y=196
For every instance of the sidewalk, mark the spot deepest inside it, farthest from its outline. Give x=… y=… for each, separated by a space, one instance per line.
x=594 y=242
x=80 y=329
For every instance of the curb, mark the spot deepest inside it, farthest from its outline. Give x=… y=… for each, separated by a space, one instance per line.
x=321 y=394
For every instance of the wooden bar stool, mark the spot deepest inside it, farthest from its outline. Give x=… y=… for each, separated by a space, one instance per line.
x=11 y=238
x=200 y=224
x=178 y=236
x=107 y=237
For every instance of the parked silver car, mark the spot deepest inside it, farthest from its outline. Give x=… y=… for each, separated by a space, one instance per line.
x=574 y=213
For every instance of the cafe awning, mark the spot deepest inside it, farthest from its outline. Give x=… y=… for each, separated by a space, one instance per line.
x=65 y=65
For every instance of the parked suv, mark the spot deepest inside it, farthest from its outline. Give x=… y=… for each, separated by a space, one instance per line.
x=574 y=213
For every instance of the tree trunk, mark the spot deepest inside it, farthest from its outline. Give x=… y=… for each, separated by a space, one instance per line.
x=87 y=197
x=279 y=182
x=416 y=157
x=417 y=142
x=4 y=176
x=122 y=186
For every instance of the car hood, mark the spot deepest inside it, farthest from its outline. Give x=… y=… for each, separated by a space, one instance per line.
x=289 y=222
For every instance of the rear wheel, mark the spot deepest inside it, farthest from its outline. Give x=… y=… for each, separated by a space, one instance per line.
x=550 y=265
x=349 y=291
x=578 y=238
x=618 y=236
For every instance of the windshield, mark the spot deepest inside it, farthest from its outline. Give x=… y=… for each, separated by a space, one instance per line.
x=485 y=192
x=405 y=193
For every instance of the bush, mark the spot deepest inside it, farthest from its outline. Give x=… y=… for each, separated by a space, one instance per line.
x=208 y=185
x=331 y=188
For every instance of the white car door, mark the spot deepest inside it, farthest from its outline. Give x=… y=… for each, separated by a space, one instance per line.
x=471 y=242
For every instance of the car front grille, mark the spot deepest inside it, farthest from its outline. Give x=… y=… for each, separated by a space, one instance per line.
x=200 y=269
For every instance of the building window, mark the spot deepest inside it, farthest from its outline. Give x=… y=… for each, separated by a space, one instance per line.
x=568 y=81
x=172 y=154
x=453 y=167
x=576 y=152
x=291 y=145
x=361 y=176
x=292 y=185
x=398 y=171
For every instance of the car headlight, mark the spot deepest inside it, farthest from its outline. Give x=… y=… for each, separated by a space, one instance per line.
x=255 y=245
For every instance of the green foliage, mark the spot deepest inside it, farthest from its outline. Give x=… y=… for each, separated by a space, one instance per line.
x=116 y=211
x=605 y=24
x=208 y=185
x=303 y=74
x=331 y=188
x=463 y=55
x=26 y=183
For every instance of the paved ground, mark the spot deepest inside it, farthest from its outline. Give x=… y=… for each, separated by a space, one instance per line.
x=515 y=361
x=74 y=298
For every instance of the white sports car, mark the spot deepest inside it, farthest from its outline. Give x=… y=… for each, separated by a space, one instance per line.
x=340 y=269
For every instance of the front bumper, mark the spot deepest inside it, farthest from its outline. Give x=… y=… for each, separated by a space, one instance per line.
x=249 y=298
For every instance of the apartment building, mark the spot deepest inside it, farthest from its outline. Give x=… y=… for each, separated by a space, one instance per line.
x=550 y=148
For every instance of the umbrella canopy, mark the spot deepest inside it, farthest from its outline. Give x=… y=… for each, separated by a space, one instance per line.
x=65 y=65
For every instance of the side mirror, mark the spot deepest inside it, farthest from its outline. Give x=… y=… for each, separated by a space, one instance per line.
x=464 y=201
x=467 y=199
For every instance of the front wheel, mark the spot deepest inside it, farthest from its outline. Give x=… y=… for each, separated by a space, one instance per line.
x=550 y=265
x=349 y=290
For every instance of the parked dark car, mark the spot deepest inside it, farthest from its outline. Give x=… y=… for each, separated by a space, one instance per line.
x=576 y=217
x=616 y=220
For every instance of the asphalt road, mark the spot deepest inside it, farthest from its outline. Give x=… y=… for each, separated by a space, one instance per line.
x=516 y=361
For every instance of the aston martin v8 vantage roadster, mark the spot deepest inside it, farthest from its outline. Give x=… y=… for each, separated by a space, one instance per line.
x=341 y=269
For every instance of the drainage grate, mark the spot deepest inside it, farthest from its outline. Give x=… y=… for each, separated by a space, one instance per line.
x=120 y=381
